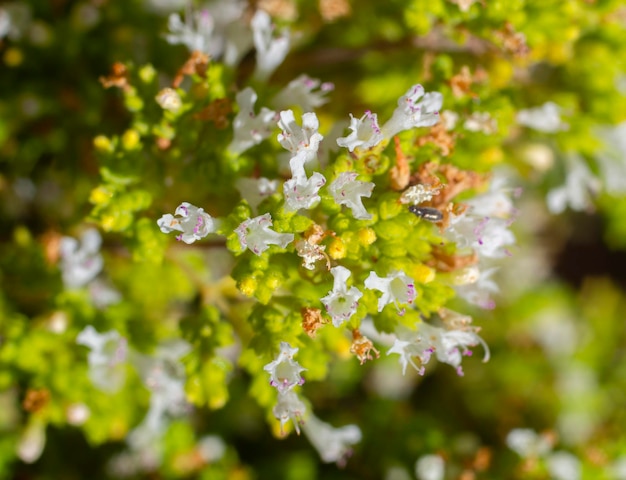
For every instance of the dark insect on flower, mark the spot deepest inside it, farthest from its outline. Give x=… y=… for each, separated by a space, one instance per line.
x=427 y=213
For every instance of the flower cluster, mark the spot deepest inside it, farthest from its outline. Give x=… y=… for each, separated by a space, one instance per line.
x=448 y=343
x=333 y=444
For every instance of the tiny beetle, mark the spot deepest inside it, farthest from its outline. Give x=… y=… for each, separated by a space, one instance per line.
x=427 y=213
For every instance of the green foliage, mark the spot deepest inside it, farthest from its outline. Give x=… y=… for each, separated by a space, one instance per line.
x=174 y=381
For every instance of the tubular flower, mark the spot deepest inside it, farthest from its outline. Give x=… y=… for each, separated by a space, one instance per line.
x=544 y=118
x=346 y=190
x=255 y=190
x=430 y=467
x=415 y=109
x=196 y=32
x=107 y=351
x=216 y=30
x=448 y=344
x=81 y=262
x=365 y=133
x=250 y=129
x=255 y=234
x=410 y=347
x=301 y=191
x=487 y=236
x=333 y=444
x=303 y=91
x=270 y=51
x=579 y=189
x=340 y=302
x=289 y=407
x=298 y=139
x=285 y=371
x=194 y=223
x=397 y=288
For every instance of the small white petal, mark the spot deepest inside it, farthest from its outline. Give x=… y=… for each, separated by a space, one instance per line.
x=346 y=190
x=255 y=234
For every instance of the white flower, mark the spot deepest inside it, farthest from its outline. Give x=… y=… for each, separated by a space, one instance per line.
x=304 y=92
x=77 y=413
x=347 y=190
x=255 y=190
x=527 y=443
x=449 y=345
x=415 y=109
x=5 y=23
x=216 y=30
x=270 y=51
x=102 y=294
x=15 y=20
x=545 y=118
x=107 y=352
x=396 y=288
x=430 y=467
x=81 y=262
x=365 y=133
x=301 y=191
x=194 y=223
x=298 y=139
x=481 y=122
x=250 y=129
x=196 y=32
x=340 y=302
x=488 y=236
x=476 y=286
x=333 y=444
x=211 y=448
x=255 y=234
x=164 y=375
x=289 y=407
x=169 y=99
x=410 y=346
x=578 y=191
x=285 y=371
x=32 y=441
x=612 y=158
x=496 y=202
x=563 y=466
x=311 y=253
x=449 y=119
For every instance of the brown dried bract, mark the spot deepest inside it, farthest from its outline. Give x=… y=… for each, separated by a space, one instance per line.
x=311 y=320
x=217 y=112
x=512 y=42
x=310 y=249
x=455 y=181
x=482 y=460
x=445 y=262
x=400 y=173
x=198 y=63
x=36 y=399
x=440 y=137
x=51 y=242
x=461 y=83
x=362 y=347
x=315 y=234
x=284 y=9
x=332 y=10
x=117 y=78
x=163 y=143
